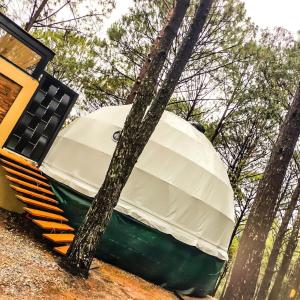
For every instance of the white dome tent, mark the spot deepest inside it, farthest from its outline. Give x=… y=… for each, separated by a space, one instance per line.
x=179 y=185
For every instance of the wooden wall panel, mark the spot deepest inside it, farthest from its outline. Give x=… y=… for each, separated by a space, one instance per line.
x=9 y=91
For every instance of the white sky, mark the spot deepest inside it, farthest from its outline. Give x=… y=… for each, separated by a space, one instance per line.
x=275 y=13
x=265 y=13
x=122 y=7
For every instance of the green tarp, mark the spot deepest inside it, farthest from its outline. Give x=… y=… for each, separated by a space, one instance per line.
x=146 y=252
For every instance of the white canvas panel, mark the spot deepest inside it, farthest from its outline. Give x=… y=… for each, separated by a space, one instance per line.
x=179 y=185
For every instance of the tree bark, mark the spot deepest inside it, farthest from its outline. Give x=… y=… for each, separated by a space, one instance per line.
x=34 y=17
x=153 y=52
x=185 y=51
x=248 y=261
x=293 y=282
x=129 y=147
x=135 y=134
x=146 y=91
x=267 y=278
x=288 y=255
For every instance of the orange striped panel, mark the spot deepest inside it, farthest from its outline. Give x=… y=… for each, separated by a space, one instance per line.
x=62 y=249
x=28 y=185
x=59 y=237
x=44 y=214
x=18 y=159
x=39 y=204
x=15 y=166
x=47 y=225
x=27 y=177
x=33 y=194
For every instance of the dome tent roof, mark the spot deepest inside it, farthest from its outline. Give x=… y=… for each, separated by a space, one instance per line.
x=178 y=186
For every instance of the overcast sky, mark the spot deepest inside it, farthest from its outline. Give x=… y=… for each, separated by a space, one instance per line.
x=272 y=13
x=265 y=13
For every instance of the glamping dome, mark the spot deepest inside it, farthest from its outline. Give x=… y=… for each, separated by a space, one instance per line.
x=175 y=216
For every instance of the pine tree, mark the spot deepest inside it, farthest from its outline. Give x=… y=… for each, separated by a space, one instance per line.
x=137 y=130
x=246 y=268
x=270 y=269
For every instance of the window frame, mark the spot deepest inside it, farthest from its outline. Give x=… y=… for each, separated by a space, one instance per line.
x=25 y=38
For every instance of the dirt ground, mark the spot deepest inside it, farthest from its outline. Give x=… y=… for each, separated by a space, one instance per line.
x=29 y=270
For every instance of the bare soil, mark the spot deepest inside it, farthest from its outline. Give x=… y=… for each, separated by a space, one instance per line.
x=29 y=270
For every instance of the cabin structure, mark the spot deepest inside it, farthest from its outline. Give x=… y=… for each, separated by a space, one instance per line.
x=33 y=108
x=175 y=217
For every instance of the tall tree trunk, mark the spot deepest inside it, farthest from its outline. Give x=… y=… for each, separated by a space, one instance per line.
x=153 y=52
x=250 y=252
x=234 y=233
x=293 y=282
x=221 y=277
x=267 y=278
x=226 y=281
x=185 y=51
x=288 y=255
x=35 y=15
x=155 y=62
x=131 y=143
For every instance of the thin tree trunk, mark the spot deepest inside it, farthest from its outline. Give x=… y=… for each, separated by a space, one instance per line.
x=267 y=278
x=35 y=16
x=135 y=135
x=146 y=92
x=153 y=52
x=221 y=277
x=191 y=110
x=185 y=51
x=250 y=252
x=288 y=255
x=227 y=279
x=234 y=232
x=128 y=150
x=293 y=282
x=220 y=125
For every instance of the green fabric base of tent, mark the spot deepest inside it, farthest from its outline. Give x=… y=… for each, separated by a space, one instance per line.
x=146 y=252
